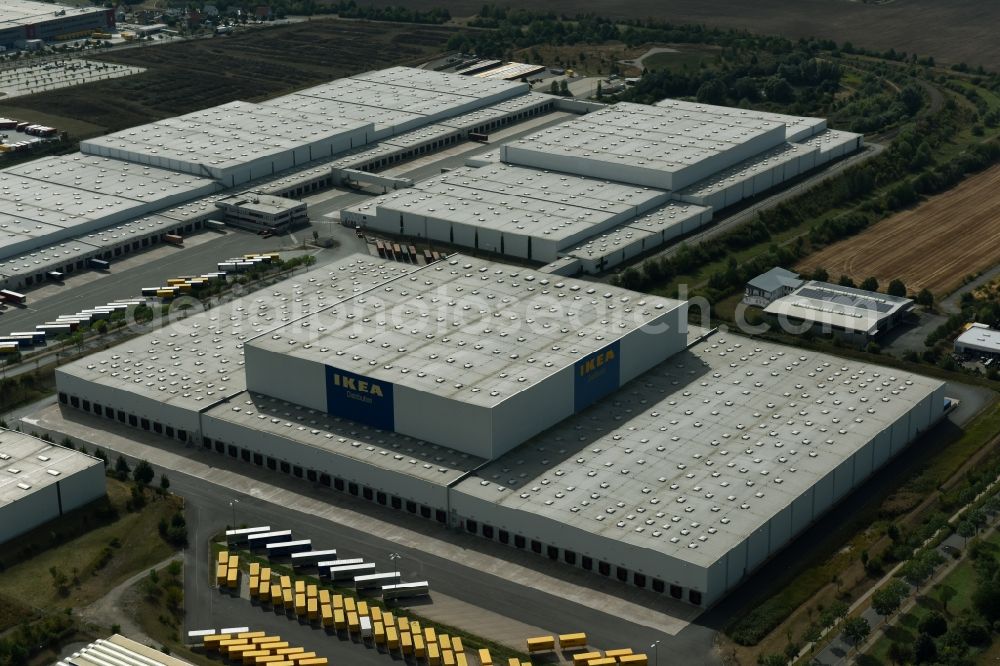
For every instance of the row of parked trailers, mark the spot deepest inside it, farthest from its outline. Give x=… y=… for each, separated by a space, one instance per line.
x=28 y=128
x=325 y=563
x=182 y=285
x=63 y=324
x=247 y=262
x=407 y=253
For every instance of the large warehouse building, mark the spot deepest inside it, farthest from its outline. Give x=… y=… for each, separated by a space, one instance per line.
x=21 y=20
x=582 y=195
x=578 y=421
x=40 y=481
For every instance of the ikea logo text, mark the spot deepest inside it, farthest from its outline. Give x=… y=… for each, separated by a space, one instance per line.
x=358 y=385
x=596 y=361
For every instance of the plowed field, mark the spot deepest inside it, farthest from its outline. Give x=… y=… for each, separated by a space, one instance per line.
x=934 y=245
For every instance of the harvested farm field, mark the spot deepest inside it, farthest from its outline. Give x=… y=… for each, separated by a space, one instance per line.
x=254 y=65
x=935 y=245
x=950 y=30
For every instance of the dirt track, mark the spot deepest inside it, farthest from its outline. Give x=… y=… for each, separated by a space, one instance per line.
x=935 y=245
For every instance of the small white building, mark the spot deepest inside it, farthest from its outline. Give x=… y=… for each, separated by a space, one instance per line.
x=978 y=340
x=40 y=481
x=257 y=212
x=770 y=286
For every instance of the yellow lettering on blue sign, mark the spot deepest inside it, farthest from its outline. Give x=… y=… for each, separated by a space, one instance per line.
x=596 y=361
x=359 y=385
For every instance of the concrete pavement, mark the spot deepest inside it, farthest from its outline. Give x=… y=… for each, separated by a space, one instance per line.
x=511 y=584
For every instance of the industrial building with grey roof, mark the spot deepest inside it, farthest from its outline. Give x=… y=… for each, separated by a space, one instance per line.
x=40 y=481
x=676 y=460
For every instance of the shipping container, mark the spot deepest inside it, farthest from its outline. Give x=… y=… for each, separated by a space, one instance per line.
x=350 y=571
x=572 y=640
x=380 y=247
x=54 y=329
x=371 y=581
x=311 y=558
x=324 y=567
x=165 y=293
x=366 y=626
x=633 y=660
x=261 y=539
x=541 y=643
x=403 y=590
x=619 y=653
x=9 y=296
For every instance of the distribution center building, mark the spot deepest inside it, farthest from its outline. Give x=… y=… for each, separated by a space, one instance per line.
x=575 y=420
x=21 y=20
x=40 y=481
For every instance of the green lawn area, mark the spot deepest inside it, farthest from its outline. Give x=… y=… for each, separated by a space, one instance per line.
x=952 y=597
x=94 y=561
x=683 y=60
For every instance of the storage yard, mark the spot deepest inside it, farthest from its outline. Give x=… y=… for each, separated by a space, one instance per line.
x=58 y=75
x=185 y=77
x=935 y=245
x=689 y=515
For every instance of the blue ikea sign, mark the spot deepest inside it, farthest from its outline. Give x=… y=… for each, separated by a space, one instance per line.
x=596 y=375
x=359 y=398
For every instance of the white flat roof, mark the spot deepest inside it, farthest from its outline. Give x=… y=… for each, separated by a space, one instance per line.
x=42 y=259
x=647 y=139
x=796 y=127
x=227 y=136
x=439 y=465
x=693 y=456
x=28 y=464
x=28 y=12
x=518 y=200
x=90 y=173
x=261 y=203
x=448 y=340
x=198 y=360
x=981 y=338
x=834 y=305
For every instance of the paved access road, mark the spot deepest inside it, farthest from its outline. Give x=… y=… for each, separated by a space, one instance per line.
x=149 y=269
x=208 y=512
